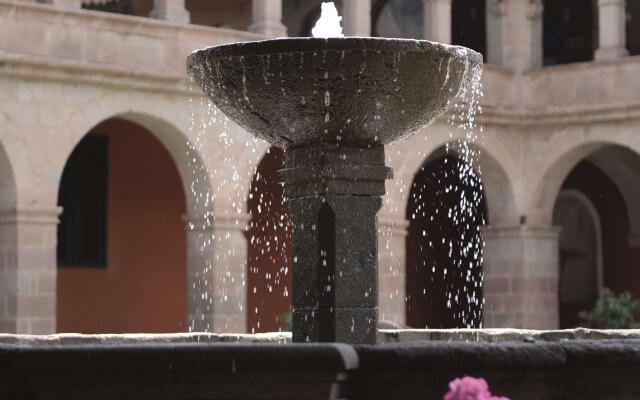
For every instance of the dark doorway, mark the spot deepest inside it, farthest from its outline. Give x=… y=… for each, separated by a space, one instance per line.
x=633 y=27
x=577 y=284
x=444 y=251
x=570 y=31
x=469 y=25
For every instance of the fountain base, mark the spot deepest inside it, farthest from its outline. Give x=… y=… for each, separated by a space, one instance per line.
x=541 y=365
x=334 y=194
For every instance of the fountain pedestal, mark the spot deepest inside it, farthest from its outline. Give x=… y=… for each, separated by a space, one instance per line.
x=333 y=104
x=334 y=193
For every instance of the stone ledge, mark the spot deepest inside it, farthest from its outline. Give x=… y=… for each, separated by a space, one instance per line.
x=385 y=336
x=502 y=335
x=65 y=339
x=543 y=370
x=167 y=367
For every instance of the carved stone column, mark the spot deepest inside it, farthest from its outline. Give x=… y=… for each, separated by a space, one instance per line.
x=266 y=18
x=356 y=17
x=28 y=237
x=437 y=20
x=612 y=34
x=514 y=33
x=392 y=235
x=521 y=270
x=334 y=194
x=217 y=254
x=170 y=10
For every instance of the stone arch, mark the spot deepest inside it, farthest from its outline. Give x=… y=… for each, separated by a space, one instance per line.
x=608 y=171
x=191 y=166
x=615 y=158
x=497 y=167
x=132 y=207
x=577 y=282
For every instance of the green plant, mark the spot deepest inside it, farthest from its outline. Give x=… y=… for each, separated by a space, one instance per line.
x=613 y=312
x=286 y=321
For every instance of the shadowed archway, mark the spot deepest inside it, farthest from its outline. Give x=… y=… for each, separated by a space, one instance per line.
x=444 y=276
x=122 y=263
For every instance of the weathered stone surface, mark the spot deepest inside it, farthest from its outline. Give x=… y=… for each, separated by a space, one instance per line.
x=335 y=324
x=355 y=91
x=175 y=371
x=66 y=339
x=334 y=267
x=331 y=168
x=605 y=369
x=501 y=335
x=563 y=370
x=331 y=105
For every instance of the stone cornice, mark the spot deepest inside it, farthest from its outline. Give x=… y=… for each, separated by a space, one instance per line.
x=568 y=116
x=549 y=232
x=217 y=222
x=393 y=226
x=27 y=67
x=41 y=215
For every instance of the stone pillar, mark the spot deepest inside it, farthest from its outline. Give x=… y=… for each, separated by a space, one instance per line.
x=170 y=10
x=437 y=20
x=356 y=17
x=612 y=34
x=392 y=234
x=521 y=270
x=514 y=33
x=334 y=194
x=266 y=18
x=28 y=237
x=217 y=256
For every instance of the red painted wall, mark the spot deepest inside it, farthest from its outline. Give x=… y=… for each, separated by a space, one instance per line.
x=143 y=288
x=269 y=259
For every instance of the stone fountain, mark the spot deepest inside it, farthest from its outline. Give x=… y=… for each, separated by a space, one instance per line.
x=333 y=104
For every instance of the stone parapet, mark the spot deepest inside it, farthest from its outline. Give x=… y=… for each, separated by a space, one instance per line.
x=85 y=367
x=384 y=337
x=387 y=336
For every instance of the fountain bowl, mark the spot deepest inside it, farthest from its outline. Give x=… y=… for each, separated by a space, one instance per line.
x=352 y=91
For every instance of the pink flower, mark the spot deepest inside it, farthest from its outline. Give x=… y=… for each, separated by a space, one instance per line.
x=469 y=388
